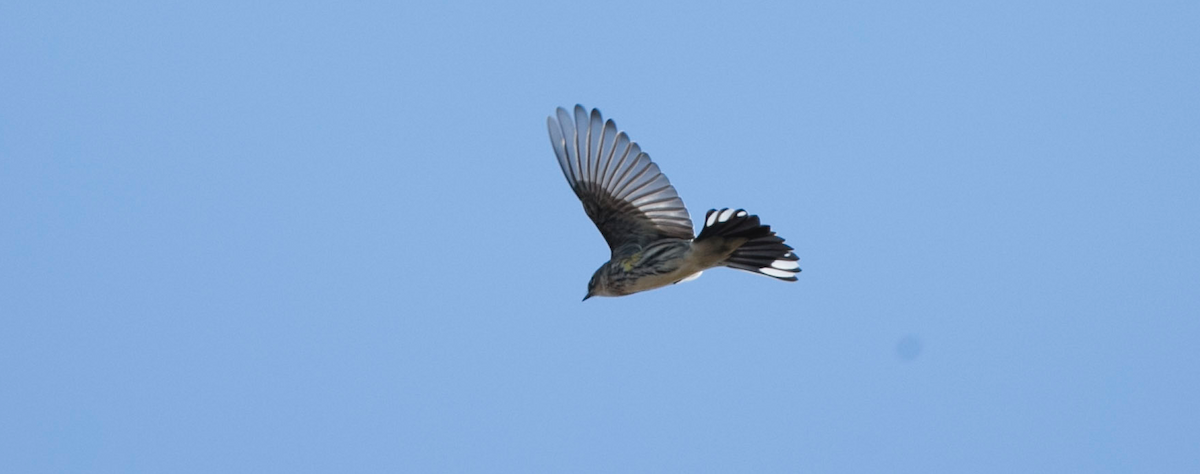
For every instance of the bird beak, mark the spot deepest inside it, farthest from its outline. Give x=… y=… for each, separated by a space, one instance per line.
x=589 y=295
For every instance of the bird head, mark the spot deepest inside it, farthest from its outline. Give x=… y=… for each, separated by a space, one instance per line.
x=598 y=285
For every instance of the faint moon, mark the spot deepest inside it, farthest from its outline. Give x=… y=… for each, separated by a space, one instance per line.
x=908 y=348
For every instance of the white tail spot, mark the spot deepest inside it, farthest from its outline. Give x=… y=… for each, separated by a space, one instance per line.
x=712 y=219
x=785 y=264
x=725 y=215
x=741 y=213
x=775 y=272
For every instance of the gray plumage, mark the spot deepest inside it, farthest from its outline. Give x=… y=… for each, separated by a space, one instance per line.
x=622 y=191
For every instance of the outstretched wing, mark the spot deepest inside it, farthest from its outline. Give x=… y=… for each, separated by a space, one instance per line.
x=622 y=191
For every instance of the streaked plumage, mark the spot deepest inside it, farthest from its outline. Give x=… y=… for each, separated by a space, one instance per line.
x=644 y=221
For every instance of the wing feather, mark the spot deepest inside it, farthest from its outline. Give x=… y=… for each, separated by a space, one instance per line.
x=622 y=190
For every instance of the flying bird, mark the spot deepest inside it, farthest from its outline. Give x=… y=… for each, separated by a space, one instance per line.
x=643 y=219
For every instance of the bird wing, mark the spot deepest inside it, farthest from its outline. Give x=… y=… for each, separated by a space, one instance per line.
x=622 y=191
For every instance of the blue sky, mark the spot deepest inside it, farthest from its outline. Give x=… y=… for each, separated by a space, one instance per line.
x=306 y=237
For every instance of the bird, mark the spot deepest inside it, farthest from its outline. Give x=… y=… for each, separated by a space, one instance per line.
x=644 y=221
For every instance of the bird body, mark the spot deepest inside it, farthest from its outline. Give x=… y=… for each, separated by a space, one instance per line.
x=643 y=219
x=661 y=263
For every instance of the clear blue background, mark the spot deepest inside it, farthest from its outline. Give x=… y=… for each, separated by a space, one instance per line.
x=303 y=237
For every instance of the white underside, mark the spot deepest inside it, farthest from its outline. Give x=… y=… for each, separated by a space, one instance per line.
x=690 y=277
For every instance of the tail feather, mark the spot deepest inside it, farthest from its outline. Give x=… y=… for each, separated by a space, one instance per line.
x=763 y=252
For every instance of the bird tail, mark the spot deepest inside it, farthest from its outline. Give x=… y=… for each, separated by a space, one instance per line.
x=763 y=252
